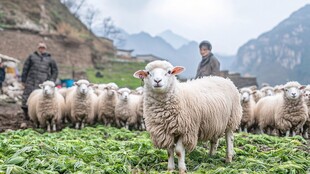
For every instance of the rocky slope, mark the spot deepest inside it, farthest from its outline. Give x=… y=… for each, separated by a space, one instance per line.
x=24 y=23
x=281 y=54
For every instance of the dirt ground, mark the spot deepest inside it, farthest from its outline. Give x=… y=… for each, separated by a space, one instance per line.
x=11 y=116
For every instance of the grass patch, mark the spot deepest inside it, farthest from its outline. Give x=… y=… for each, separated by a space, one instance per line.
x=119 y=73
x=110 y=150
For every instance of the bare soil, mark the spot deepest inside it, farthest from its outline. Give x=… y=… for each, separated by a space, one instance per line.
x=11 y=117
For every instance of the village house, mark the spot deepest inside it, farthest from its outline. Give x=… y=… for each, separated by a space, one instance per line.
x=147 y=58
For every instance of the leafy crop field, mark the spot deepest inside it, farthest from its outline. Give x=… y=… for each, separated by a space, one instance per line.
x=110 y=150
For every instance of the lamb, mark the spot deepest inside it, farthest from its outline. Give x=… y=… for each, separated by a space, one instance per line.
x=183 y=113
x=248 y=105
x=285 y=112
x=106 y=104
x=81 y=104
x=307 y=101
x=126 y=109
x=46 y=106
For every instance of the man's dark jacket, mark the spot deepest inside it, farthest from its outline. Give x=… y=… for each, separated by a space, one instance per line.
x=37 y=69
x=2 y=74
x=209 y=65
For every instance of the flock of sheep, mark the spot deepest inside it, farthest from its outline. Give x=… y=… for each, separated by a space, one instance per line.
x=86 y=103
x=177 y=115
x=279 y=110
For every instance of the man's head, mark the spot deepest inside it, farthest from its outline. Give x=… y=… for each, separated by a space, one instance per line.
x=205 y=48
x=42 y=47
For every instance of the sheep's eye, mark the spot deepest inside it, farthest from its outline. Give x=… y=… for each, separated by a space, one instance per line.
x=169 y=72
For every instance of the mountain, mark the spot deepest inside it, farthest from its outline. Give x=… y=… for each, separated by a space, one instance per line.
x=25 y=23
x=187 y=55
x=175 y=40
x=281 y=54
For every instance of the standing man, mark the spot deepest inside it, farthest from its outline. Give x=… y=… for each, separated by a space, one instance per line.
x=209 y=64
x=38 y=68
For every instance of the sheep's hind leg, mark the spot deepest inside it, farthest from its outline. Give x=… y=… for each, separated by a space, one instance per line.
x=180 y=151
x=229 y=146
x=213 y=148
x=171 y=165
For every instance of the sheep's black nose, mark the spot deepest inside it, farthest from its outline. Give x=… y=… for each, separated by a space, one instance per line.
x=293 y=94
x=157 y=80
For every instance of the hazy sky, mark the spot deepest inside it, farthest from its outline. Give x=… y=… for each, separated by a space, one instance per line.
x=228 y=24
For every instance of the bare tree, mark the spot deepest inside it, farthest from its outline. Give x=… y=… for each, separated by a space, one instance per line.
x=111 y=31
x=90 y=16
x=74 y=6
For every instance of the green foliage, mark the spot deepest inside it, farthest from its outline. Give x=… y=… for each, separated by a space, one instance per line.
x=120 y=73
x=110 y=150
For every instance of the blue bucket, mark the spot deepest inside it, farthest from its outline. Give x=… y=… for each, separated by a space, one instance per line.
x=67 y=83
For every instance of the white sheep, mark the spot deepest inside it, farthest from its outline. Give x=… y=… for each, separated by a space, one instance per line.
x=248 y=106
x=106 y=104
x=183 y=113
x=286 y=112
x=307 y=101
x=293 y=111
x=81 y=104
x=99 y=88
x=126 y=109
x=46 y=106
x=267 y=91
x=139 y=91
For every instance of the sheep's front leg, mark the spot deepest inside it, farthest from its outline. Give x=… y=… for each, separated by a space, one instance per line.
x=230 y=145
x=127 y=125
x=293 y=133
x=180 y=151
x=214 y=144
x=54 y=125
x=171 y=164
x=287 y=133
x=77 y=125
x=83 y=123
x=48 y=126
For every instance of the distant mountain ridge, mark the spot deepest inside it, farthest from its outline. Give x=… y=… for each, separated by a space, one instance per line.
x=279 y=55
x=175 y=40
x=187 y=55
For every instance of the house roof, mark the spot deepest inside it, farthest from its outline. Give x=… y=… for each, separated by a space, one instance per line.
x=8 y=58
x=125 y=50
x=149 y=55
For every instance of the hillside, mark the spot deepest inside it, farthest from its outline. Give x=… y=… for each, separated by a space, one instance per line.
x=24 y=23
x=281 y=54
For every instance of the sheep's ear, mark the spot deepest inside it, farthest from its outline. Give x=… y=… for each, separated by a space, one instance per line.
x=140 y=74
x=41 y=86
x=177 y=70
x=75 y=84
x=91 y=84
x=302 y=87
